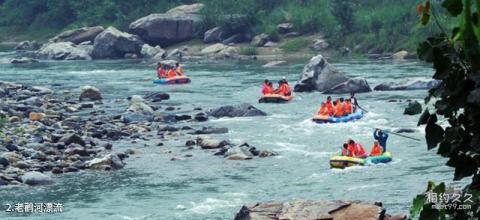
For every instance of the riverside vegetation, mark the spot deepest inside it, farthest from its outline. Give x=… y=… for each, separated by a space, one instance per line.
x=391 y=25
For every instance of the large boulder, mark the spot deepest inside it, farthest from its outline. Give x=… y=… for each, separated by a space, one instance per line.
x=356 y=85
x=27 y=45
x=408 y=85
x=213 y=35
x=413 y=108
x=177 y=25
x=305 y=209
x=78 y=35
x=148 y=51
x=241 y=110
x=34 y=178
x=319 y=75
x=112 y=43
x=64 y=51
x=90 y=93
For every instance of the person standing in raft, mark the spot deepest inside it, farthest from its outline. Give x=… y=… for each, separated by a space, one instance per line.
x=179 y=69
x=381 y=136
x=377 y=149
x=353 y=100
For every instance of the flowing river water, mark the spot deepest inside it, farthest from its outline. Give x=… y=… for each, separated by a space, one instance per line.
x=204 y=186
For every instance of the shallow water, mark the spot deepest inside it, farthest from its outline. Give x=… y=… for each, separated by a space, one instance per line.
x=208 y=187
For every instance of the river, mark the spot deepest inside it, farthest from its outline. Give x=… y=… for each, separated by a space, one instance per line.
x=204 y=186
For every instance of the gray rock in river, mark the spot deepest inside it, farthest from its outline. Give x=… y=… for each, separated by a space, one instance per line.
x=72 y=138
x=210 y=143
x=413 y=108
x=90 y=93
x=112 y=43
x=23 y=60
x=356 y=85
x=34 y=178
x=177 y=25
x=306 y=209
x=64 y=51
x=79 y=35
x=238 y=152
x=27 y=45
x=319 y=75
x=241 y=110
x=157 y=96
x=408 y=85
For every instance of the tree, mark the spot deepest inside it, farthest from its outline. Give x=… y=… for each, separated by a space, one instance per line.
x=343 y=12
x=456 y=60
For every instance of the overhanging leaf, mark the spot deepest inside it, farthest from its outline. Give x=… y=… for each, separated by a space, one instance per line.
x=417 y=206
x=455 y=7
x=428 y=213
x=425 y=18
x=433 y=134
x=424 y=117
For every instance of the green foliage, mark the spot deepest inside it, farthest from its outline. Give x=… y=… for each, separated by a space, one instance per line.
x=250 y=51
x=389 y=27
x=456 y=60
x=343 y=11
x=294 y=45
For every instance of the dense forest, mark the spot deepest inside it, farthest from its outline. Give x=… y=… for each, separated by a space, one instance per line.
x=373 y=25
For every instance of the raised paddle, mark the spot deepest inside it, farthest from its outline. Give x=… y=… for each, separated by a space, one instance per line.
x=401 y=135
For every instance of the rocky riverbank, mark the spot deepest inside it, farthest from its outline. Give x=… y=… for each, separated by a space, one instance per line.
x=181 y=38
x=305 y=209
x=45 y=132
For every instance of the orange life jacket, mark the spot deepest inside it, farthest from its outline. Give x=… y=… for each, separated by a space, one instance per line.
x=360 y=151
x=348 y=107
x=330 y=108
x=352 y=150
x=339 y=109
x=171 y=73
x=283 y=89
x=345 y=152
x=323 y=110
x=269 y=90
x=161 y=73
x=376 y=150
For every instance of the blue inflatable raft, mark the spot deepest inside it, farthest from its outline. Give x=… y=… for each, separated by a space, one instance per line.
x=332 y=119
x=344 y=161
x=174 y=80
